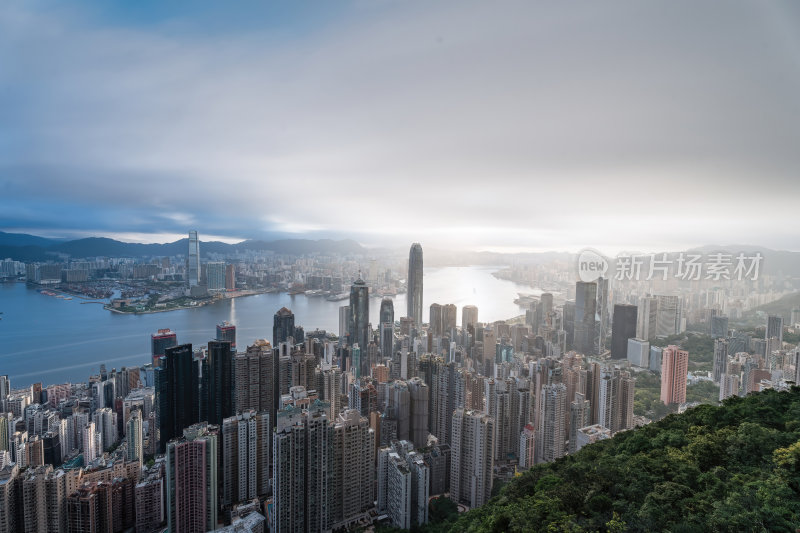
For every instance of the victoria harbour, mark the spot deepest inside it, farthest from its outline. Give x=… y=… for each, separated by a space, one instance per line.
x=55 y=340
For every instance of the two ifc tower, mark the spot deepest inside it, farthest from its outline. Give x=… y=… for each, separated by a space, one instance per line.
x=415 y=284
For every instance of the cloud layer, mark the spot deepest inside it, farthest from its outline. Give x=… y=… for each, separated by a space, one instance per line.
x=527 y=125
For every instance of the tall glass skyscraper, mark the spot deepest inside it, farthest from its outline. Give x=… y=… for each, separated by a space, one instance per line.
x=415 y=284
x=387 y=311
x=193 y=265
x=358 y=327
x=585 y=333
x=282 y=327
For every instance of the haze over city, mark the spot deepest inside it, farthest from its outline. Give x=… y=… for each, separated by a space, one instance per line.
x=382 y=266
x=521 y=126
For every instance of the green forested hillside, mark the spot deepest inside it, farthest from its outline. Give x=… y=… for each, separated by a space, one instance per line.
x=730 y=468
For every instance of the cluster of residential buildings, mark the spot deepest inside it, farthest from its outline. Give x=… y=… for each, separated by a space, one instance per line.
x=309 y=433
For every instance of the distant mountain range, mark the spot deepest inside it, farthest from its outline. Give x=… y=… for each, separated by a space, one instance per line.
x=23 y=247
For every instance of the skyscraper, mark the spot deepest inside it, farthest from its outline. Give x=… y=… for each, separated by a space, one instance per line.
x=227 y=332
x=177 y=393
x=358 y=327
x=353 y=463
x=719 y=326
x=585 y=311
x=623 y=327
x=669 y=314
x=283 y=326
x=449 y=318
x=720 y=359
x=415 y=284
x=527 y=446
x=344 y=322
x=192 y=480
x=404 y=480
x=471 y=457
x=647 y=317
x=159 y=342
x=469 y=317
x=639 y=352
x=5 y=387
x=215 y=275
x=489 y=351
x=246 y=441
x=435 y=319
x=551 y=435
x=386 y=339
x=579 y=417
x=193 y=261
x=774 y=328
x=387 y=311
x=601 y=317
x=133 y=437
x=256 y=379
x=419 y=396
x=218 y=376
x=230 y=277
x=674 y=369
x=301 y=470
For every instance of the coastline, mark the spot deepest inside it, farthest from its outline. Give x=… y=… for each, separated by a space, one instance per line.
x=199 y=303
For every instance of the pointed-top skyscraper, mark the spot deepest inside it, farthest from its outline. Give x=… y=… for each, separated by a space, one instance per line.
x=415 y=284
x=359 y=314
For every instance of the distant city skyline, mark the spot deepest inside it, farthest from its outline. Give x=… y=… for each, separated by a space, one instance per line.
x=532 y=127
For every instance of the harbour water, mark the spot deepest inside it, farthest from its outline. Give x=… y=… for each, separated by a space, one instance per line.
x=53 y=340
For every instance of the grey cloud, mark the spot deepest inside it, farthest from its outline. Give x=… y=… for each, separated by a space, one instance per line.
x=534 y=121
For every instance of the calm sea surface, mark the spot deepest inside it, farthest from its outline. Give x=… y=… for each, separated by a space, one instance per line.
x=43 y=338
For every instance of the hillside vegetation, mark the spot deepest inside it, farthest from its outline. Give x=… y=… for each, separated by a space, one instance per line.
x=735 y=467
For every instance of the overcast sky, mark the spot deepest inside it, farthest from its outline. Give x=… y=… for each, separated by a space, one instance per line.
x=486 y=125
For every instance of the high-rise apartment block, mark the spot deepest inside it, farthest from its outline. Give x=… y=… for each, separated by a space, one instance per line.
x=215 y=275
x=674 y=371
x=472 y=457
x=353 y=465
x=246 y=441
x=551 y=423
x=403 y=485
x=192 y=480
x=302 y=472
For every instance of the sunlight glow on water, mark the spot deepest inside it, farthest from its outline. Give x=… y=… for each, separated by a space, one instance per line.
x=53 y=340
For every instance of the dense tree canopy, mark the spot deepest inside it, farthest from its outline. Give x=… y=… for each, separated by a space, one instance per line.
x=735 y=467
